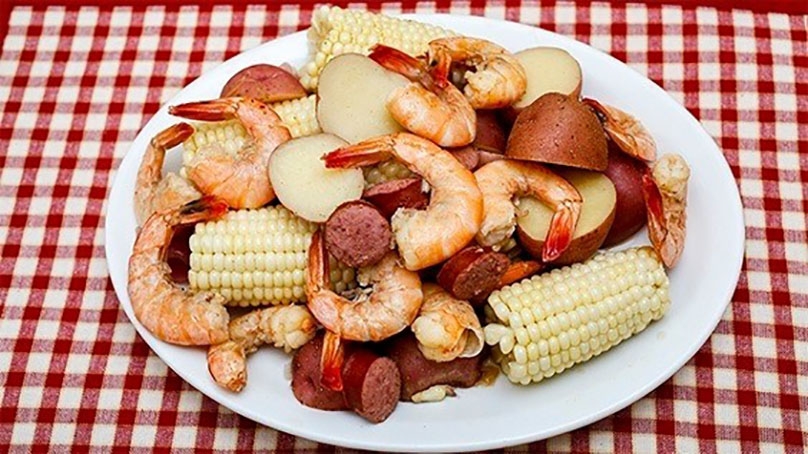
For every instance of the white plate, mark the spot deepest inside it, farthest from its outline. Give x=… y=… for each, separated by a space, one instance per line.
x=502 y=415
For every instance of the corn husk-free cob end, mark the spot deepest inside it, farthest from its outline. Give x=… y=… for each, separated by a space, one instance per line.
x=544 y=325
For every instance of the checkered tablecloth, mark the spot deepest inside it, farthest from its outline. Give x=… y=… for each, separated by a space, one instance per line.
x=78 y=82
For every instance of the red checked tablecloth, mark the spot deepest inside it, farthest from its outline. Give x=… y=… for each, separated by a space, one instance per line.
x=78 y=82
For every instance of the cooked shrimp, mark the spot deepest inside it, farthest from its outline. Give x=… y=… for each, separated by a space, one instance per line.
x=390 y=304
x=153 y=192
x=168 y=312
x=446 y=328
x=286 y=327
x=498 y=80
x=240 y=179
x=424 y=237
x=432 y=108
x=625 y=131
x=665 y=191
x=501 y=181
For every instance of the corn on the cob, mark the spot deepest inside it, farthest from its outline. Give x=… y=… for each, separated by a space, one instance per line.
x=296 y=114
x=257 y=257
x=386 y=171
x=546 y=324
x=336 y=31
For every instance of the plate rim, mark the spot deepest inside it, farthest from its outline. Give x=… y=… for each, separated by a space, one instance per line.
x=336 y=438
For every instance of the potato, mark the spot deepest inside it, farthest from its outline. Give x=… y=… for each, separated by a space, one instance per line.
x=302 y=182
x=491 y=135
x=352 y=96
x=548 y=69
x=596 y=218
x=558 y=129
x=629 y=214
x=266 y=83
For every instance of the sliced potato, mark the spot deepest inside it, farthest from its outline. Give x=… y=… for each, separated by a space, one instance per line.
x=548 y=69
x=352 y=96
x=302 y=182
x=559 y=129
x=596 y=218
x=265 y=83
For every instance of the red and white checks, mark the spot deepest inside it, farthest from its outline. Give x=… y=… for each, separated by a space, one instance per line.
x=77 y=83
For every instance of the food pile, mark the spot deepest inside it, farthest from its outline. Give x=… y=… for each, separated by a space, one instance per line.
x=415 y=205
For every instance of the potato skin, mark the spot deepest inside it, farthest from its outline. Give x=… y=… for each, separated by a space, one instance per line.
x=265 y=83
x=630 y=215
x=558 y=129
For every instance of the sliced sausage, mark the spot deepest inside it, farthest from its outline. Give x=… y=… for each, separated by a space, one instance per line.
x=306 y=379
x=472 y=272
x=371 y=383
x=468 y=156
x=518 y=271
x=357 y=234
x=392 y=195
x=419 y=373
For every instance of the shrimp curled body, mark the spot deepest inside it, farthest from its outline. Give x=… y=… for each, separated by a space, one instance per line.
x=240 y=179
x=168 y=312
x=455 y=212
x=447 y=328
x=153 y=192
x=501 y=181
x=665 y=191
x=499 y=80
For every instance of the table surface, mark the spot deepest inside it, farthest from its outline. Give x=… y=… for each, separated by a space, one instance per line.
x=78 y=82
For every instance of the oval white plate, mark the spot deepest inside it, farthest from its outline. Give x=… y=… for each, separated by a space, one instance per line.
x=502 y=415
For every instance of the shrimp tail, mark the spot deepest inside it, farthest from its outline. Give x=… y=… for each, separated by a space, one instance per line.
x=653 y=205
x=562 y=227
x=208 y=207
x=172 y=136
x=362 y=154
x=441 y=65
x=212 y=110
x=397 y=61
x=331 y=362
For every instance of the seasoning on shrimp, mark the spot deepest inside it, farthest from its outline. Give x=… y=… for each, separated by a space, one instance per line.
x=166 y=310
x=455 y=211
x=430 y=107
x=501 y=181
x=498 y=79
x=241 y=179
x=153 y=192
x=389 y=305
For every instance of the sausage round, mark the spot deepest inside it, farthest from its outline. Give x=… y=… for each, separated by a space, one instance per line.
x=357 y=234
x=392 y=195
x=372 y=384
x=306 y=379
x=472 y=272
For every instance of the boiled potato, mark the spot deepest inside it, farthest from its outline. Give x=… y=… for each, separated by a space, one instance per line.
x=629 y=216
x=265 y=83
x=548 y=69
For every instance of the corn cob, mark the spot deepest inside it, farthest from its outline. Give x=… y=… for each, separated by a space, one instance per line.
x=257 y=257
x=336 y=31
x=297 y=114
x=386 y=171
x=546 y=324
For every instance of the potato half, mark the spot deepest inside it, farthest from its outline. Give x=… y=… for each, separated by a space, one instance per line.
x=597 y=215
x=352 y=97
x=548 y=69
x=558 y=129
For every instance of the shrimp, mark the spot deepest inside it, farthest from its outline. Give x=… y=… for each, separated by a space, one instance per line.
x=287 y=327
x=501 y=181
x=391 y=304
x=625 y=131
x=153 y=192
x=665 y=192
x=240 y=179
x=447 y=328
x=432 y=108
x=455 y=211
x=168 y=312
x=498 y=80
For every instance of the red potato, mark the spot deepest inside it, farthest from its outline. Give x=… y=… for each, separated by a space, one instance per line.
x=372 y=384
x=548 y=69
x=487 y=156
x=392 y=195
x=468 y=156
x=419 y=373
x=472 y=272
x=629 y=214
x=357 y=234
x=491 y=134
x=266 y=83
x=306 y=378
